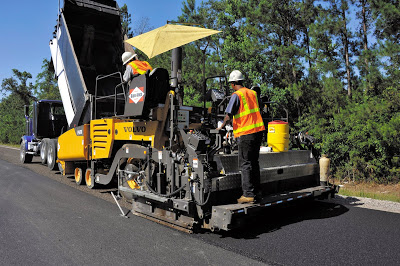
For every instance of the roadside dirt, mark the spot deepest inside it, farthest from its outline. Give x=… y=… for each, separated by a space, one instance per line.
x=392 y=190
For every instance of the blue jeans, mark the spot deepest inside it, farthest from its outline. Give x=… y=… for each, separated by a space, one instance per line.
x=249 y=152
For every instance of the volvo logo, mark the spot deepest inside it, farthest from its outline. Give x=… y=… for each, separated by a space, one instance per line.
x=135 y=129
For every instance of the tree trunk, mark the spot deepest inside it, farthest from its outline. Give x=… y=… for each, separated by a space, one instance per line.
x=346 y=51
x=364 y=27
x=308 y=48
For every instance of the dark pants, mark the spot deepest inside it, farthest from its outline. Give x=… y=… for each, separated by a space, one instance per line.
x=249 y=152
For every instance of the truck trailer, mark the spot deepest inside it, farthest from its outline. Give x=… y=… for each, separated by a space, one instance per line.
x=166 y=158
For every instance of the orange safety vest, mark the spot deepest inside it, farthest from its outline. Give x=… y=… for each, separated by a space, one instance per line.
x=248 y=120
x=140 y=67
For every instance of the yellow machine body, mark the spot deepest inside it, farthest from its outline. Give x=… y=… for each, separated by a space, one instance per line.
x=73 y=145
x=103 y=133
x=95 y=140
x=278 y=136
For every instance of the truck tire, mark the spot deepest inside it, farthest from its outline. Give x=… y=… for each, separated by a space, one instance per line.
x=43 y=151
x=23 y=156
x=52 y=154
x=79 y=178
x=89 y=179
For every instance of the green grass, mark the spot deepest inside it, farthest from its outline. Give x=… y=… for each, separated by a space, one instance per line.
x=371 y=195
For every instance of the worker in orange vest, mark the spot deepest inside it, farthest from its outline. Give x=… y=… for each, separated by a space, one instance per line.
x=248 y=125
x=134 y=66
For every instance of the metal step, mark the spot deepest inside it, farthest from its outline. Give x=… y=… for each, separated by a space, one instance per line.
x=223 y=216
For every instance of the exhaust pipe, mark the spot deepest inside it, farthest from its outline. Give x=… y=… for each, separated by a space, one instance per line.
x=176 y=67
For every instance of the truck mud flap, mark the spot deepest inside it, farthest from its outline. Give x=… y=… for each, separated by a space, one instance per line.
x=226 y=217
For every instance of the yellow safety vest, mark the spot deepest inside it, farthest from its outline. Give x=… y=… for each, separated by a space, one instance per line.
x=140 y=67
x=248 y=120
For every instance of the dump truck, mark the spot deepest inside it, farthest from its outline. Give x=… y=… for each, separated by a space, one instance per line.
x=167 y=159
x=44 y=124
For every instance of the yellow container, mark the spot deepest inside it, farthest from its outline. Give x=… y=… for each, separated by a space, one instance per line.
x=278 y=136
x=324 y=164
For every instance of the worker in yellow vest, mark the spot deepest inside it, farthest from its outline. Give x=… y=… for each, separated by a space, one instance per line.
x=248 y=125
x=134 y=66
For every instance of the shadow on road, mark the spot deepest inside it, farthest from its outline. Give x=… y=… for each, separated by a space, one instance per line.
x=349 y=201
x=276 y=218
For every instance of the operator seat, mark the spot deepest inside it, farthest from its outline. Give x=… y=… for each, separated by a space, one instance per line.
x=159 y=85
x=145 y=92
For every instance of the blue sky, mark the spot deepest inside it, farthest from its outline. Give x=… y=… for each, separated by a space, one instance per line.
x=26 y=27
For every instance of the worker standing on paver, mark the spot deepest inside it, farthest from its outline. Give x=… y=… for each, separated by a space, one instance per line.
x=248 y=125
x=134 y=66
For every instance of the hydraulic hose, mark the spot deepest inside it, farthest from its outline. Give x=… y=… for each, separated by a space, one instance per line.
x=200 y=204
x=165 y=195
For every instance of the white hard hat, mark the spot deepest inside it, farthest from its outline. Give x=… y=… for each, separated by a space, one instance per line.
x=235 y=75
x=127 y=56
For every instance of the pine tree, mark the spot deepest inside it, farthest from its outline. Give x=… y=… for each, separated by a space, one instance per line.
x=18 y=93
x=126 y=21
x=23 y=90
x=46 y=85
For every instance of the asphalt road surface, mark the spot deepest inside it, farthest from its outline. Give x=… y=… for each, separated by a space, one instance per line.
x=45 y=219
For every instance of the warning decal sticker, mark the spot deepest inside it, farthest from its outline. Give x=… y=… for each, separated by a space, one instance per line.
x=136 y=95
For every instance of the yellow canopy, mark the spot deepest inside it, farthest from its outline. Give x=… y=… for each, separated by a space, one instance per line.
x=168 y=37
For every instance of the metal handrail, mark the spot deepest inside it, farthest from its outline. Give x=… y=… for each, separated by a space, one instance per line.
x=100 y=77
x=115 y=98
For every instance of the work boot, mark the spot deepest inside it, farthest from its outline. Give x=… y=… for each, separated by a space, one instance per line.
x=244 y=199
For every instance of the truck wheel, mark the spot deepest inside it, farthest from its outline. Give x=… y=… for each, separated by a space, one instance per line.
x=79 y=179
x=23 y=156
x=89 y=179
x=43 y=151
x=52 y=154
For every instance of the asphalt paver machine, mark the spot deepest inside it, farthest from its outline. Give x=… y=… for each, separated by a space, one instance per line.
x=166 y=158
